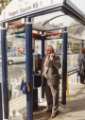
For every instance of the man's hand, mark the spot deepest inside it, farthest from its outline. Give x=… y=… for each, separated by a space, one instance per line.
x=51 y=57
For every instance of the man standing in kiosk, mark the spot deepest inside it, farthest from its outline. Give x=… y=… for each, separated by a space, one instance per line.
x=51 y=74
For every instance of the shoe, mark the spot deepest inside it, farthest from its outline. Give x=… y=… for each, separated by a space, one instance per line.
x=55 y=114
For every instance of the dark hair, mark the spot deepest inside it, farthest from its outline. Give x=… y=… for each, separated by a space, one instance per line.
x=83 y=50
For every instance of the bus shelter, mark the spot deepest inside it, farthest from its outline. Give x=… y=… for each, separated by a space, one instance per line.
x=43 y=16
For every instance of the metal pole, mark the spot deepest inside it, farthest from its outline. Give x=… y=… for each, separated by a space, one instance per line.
x=1 y=109
x=42 y=45
x=29 y=67
x=64 y=67
x=43 y=54
x=4 y=73
x=82 y=44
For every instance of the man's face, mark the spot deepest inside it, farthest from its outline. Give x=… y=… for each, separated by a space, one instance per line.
x=49 y=50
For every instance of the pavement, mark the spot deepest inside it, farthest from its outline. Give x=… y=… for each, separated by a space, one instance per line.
x=75 y=107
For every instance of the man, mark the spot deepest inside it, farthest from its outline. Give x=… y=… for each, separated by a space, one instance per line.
x=81 y=64
x=51 y=73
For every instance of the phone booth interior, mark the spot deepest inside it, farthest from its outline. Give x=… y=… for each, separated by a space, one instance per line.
x=16 y=60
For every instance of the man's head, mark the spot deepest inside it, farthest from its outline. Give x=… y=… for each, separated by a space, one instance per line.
x=83 y=50
x=49 y=50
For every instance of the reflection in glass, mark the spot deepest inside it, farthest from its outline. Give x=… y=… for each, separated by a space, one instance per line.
x=16 y=74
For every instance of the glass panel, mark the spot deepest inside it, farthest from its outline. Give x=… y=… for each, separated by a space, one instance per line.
x=53 y=21
x=74 y=47
x=63 y=21
x=16 y=74
x=43 y=22
x=46 y=17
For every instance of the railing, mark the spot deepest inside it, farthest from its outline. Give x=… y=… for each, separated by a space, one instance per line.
x=72 y=71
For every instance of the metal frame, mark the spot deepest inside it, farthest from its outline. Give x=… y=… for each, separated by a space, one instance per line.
x=1 y=108
x=36 y=13
x=64 y=67
x=29 y=67
x=43 y=54
x=82 y=43
x=4 y=72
